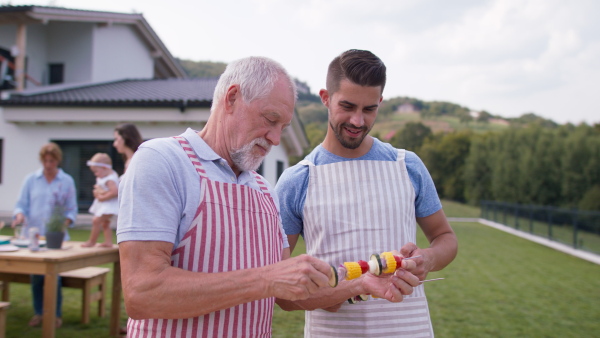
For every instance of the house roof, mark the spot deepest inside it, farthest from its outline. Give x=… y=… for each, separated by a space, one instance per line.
x=123 y=93
x=165 y=66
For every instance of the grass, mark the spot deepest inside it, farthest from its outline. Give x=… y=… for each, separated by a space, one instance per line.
x=498 y=286
x=455 y=209
x=396 y=122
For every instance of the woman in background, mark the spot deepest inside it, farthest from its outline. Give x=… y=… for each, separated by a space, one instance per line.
x=41 y=192
x=127 y=141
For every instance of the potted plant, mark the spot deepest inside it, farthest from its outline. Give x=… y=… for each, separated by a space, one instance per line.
x=55 y=228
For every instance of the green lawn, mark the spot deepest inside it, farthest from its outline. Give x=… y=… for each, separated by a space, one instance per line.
x=498 y=286
x=455 y=209
x=501 y=286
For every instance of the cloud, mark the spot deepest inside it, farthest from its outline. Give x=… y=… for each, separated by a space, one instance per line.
x=504 y=56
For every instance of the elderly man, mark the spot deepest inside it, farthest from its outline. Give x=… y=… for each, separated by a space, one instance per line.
x=200 y=237
x=354 y=196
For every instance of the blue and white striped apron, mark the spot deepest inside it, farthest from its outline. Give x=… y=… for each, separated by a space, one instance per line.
x=352 y=210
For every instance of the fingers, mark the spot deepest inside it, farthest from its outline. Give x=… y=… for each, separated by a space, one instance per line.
x=323 y=268
x=298 y=277
x=408 y=249
x=17 y=220
x=408 y=264
x=405 y=281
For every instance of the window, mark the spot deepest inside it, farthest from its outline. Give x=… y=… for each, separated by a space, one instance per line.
x=279 y=169
x=56 y=73
x=75 y=156
x=7 y=74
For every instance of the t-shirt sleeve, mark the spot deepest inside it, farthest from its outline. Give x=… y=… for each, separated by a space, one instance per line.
x=427 y=201
x=291 y=190
x=284 y=239
x=150 y=202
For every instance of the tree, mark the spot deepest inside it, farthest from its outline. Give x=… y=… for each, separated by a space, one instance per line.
x=411 y=137
x=484 y=116
x=478 y=172
x=199 y=69
x=445 y=158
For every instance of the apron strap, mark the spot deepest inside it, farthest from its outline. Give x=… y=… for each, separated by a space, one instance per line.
x=261 y=183
x=401 y=155
x=191 y=155
x=307 y=163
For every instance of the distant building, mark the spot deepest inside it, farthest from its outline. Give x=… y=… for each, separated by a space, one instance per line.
x=406 y=108
x=500 y=121
x=70 y=76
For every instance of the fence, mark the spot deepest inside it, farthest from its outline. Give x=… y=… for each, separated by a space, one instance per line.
x=576 y=228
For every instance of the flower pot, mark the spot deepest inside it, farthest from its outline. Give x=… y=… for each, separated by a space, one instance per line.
x=54 y=240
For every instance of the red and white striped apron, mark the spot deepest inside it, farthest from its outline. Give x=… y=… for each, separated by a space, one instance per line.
x=354 y=209
x=235 y=227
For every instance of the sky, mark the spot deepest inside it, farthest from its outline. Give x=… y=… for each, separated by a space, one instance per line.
x=507 y=57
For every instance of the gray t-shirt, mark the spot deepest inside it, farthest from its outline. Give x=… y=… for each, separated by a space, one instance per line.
x=293 y=183
x=160 y=192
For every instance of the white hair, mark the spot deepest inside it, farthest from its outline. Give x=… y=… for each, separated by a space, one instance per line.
x=256 y=76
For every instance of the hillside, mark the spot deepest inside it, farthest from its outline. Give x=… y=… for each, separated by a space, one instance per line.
x=394 y=113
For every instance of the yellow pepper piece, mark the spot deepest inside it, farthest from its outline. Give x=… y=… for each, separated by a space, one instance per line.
x=390 y=262
x=353 y=270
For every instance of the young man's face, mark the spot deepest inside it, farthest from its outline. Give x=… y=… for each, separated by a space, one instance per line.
x=352 y=112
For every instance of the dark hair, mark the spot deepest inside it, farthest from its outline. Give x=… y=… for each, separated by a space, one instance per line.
x=130 y=134
x=359 y=66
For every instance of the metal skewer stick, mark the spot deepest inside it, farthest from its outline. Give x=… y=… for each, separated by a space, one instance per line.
x=430 y=280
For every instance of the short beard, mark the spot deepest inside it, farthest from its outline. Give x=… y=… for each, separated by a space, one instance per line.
x=352 y=143
x=243 y=158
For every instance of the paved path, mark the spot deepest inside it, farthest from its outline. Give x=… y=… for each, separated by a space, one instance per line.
x=588 y=256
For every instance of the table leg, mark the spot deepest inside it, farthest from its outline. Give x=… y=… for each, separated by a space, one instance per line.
x=50 y=289
x=115 y=312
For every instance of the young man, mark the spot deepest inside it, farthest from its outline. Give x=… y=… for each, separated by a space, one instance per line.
x=353 y=196
x=199 y=231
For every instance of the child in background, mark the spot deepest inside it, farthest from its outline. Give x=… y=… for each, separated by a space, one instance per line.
x=106 y=203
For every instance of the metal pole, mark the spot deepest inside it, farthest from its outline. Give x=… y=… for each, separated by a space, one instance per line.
x=20 y=57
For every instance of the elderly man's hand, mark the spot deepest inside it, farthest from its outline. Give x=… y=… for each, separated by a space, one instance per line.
x=296 y=278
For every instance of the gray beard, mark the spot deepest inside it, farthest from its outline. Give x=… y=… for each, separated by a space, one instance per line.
x=243 y=159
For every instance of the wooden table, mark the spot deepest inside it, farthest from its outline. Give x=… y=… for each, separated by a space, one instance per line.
x=52 y=262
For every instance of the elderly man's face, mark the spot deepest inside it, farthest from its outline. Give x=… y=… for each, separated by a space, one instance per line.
x=260 y=126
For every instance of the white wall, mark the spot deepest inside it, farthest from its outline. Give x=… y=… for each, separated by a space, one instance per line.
x=23 y=136
x=89 y=52
x=70 y=43
x=37 y=56
x=118 y=53
x=270 y=163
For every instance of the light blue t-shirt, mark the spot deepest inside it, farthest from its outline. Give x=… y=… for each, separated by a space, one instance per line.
x=293 y=183
x=160 y=192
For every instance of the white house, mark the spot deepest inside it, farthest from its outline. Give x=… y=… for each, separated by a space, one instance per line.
x=70 y=76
